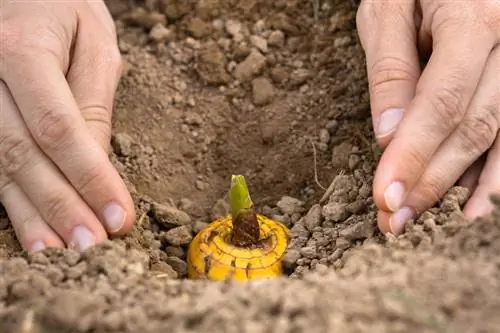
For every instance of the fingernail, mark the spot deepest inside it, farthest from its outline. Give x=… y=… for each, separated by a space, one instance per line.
x=114 y=217
x=388 y=121
x=37 y=246
x=398 y=220
x=82 y=238
x=394 y=196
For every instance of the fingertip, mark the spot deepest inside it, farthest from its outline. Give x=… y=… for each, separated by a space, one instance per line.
x=129 y=223
x=377 y=190
x=118 y=218
x=387 y=194
x=394 y=223
x=398 y=220
x=387 y=123
x=383 y=219
x=41 y=245
x=477 y=207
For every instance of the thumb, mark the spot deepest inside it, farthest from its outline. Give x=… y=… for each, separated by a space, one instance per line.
x=388 y=34
x=93 y=77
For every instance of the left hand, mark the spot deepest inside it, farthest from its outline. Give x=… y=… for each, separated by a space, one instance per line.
x=59 y=69
x=439 y=123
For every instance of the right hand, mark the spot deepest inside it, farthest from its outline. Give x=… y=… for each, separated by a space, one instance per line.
x=59 y=70
x=439 y=124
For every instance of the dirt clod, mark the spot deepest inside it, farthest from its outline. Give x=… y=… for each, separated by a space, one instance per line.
x=335 y=212
x=179 y=235
x=211 y=66
x=159 y=34
x=251 y=66
x=170 y=216
x=262 y=90
x=289 y=205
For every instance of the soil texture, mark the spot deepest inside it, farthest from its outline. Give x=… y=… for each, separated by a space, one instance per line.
x=276 y=91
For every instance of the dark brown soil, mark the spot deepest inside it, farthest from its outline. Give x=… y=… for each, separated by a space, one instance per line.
x=214 y=88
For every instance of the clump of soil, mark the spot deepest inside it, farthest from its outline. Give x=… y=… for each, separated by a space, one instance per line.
x=275 y=91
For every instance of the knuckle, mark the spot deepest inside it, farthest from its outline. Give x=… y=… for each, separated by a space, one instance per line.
x=16 y=152
x=493 y=24
x=489 y=13
x=445 y=15
x=89 y=181
x=476 y=22
x=447 y=104
x=19 y=42
x=478 y=132
x=99 y=113
x=389 y=69
x=98 y=119
x=53 y=129
x=55 y=209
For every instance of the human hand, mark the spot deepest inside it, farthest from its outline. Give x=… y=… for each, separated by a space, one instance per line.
x=59 y=69
x=441 y=124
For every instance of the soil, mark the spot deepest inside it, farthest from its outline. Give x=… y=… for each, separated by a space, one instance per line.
x=276 y=91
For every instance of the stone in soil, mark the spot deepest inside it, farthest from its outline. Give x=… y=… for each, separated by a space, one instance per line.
x=262 y=90
x=168 y=216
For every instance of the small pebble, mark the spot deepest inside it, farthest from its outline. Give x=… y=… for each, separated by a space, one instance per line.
x=290 y=258
x=262 y=91
x=313 y=217
x=289 y=205
x=335 y=211
x=308 y=252
x=179 y=265
x=160 y=34
x=253 y=64
x=260 y=43
x=276 y=38
x=324 y=136
x=169 y=216
x=179 y=236
x=122 y=144
x=357 y=231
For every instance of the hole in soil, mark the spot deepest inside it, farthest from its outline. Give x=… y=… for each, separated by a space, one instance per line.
x=197 y=136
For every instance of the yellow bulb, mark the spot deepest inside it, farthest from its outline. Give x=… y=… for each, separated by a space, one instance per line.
x=212 y=256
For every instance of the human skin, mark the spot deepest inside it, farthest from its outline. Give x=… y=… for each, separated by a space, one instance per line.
x=438 y=125
x=59 y=69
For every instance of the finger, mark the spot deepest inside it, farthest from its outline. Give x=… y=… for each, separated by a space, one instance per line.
x=471 y=176
x=93 y=76
x=32 y=231
x=54 y=120
x=466 y=144
x=383 y=221
x=56 y=200
x=443 y=93
x=388 y=34
x=100 y=11
x=488 y=183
